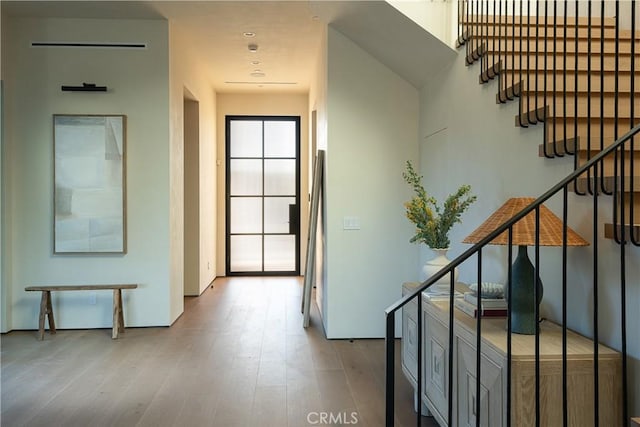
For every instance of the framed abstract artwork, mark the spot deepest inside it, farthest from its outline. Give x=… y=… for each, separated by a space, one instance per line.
x=89 y=189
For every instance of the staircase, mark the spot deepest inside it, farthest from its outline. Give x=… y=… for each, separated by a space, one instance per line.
x=573 y=68
x=574 y=73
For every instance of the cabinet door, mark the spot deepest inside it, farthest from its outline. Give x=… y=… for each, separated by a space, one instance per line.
x=410 y=341
x=436 y=367
x=491 y=388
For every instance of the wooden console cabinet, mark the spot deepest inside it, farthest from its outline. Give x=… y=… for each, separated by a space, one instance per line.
x=435 y=393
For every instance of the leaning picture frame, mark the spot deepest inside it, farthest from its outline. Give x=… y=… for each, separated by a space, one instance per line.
x=89 y=184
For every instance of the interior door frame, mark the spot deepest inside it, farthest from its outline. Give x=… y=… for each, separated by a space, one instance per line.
x=227 y=130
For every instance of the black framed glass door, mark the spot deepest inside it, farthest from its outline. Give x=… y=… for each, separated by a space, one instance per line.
x=263 y=195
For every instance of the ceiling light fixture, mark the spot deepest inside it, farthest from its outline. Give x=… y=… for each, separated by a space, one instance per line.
x=249 y=34
x=256 y=62
x=257 y=73
x=253 y=48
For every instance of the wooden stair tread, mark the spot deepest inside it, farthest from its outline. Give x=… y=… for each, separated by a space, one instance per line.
x=630 y=183
x=557 y=108
x=509 y=51
x=575 y=145
x=581 y=92
x=551 y=47
x=581 y=73
x=549 y=113
x=536 y=20
x=517 y=83
x=628 y=229
x=490 y=32
x=513 y=63
x=608 y=131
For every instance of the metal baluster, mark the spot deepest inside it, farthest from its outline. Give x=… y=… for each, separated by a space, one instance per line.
x=539 y=112
x=596 y=391
x=494 y=67
x=478 y=413
x=509 y=312
x=537 y=315
x=602 y=185
x=545 y=145
x=389 y=369
x=623 y=269
x=419 y=361
x=556 y=153
x=618 y=197
x=632 y=232
x=575 y=102
x=451 y=326
x=478 y=52
x=564 y=83
x=503 y=62
x=513 y=50
x=589 y=186
x=565 y=404
x=521 y=123
x=471 y=29
x=461 y=14
x=528 y=109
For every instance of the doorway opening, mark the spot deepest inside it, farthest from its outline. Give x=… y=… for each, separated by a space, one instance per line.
x=262 y=195
x=191 y=149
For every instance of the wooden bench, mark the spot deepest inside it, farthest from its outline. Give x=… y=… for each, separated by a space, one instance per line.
x=46 y=309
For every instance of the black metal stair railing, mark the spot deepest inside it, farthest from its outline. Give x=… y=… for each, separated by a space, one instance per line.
x=542 y=63
x=563 y=187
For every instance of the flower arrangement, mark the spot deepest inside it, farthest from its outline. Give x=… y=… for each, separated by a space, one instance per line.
x=432 y=222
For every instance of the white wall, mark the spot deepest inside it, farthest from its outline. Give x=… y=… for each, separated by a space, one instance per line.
x=437 y=17
x=137 y=82
x=187 y=75
x=474 y=141
x=372 y=117
x=268 y=104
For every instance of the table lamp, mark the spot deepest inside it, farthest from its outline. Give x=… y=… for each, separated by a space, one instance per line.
x=523 y=306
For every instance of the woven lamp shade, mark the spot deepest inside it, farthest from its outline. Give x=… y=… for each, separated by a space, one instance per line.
x=524 y=231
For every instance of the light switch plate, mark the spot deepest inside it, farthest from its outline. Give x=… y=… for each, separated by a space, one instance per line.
x=351 y=223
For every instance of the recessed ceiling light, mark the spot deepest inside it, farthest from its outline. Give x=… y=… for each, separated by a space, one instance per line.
x=253 y=48
x=249 y=34
x=255 y=62
x=257 y=73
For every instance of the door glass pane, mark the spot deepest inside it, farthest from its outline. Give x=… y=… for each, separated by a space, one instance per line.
x=276 y=214
x=246 y=215
x=246 y=138
x=280 y=253
x=246 y=253
x=246 y=177
x=280 y=139
x=280 y=177
x=262 y=177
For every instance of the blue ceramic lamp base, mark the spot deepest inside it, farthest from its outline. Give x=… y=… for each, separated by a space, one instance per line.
x=522 y=297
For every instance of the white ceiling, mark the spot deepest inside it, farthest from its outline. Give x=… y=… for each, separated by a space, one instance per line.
x=288 y=35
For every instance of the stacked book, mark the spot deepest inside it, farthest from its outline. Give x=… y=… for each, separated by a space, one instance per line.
x=491 y=307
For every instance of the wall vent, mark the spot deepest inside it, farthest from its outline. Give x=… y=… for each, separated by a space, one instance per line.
x=91 y=45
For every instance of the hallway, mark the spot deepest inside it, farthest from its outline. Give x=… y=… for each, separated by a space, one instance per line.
x=238 y=356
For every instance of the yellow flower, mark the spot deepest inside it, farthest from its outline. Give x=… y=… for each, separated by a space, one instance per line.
x=432 y=229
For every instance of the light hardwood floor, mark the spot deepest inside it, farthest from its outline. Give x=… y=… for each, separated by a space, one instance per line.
x=238 y=356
